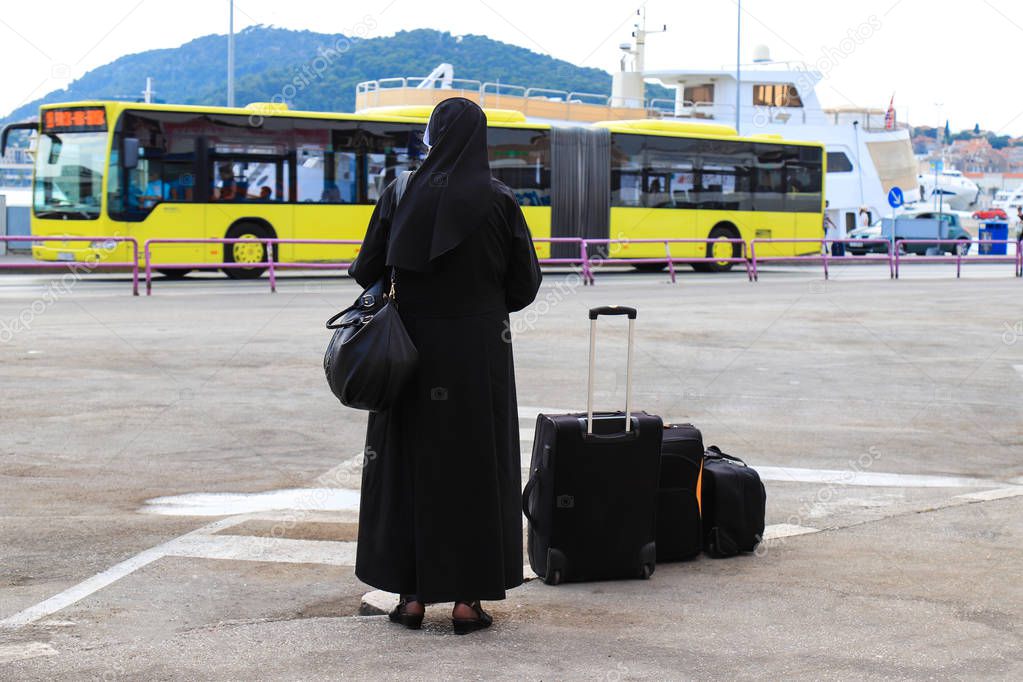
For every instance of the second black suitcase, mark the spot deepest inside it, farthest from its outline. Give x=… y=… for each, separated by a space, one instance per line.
x=679 y=531
x=592 y=490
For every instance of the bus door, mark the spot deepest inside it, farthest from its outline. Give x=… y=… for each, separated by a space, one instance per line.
x=151 y=191
x=771 y=218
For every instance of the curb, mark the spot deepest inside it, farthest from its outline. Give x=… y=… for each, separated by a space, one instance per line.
x=377 y=603
x=380 y=603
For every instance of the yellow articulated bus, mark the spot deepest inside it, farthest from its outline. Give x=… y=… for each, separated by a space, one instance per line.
x=153 y=171
x=675 y=179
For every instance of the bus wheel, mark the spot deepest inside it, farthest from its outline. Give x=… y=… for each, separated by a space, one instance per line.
x=721 y=249
x=246 y=253
x=173 y=274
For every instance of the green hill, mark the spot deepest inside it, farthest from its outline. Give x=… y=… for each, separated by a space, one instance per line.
x=277 y=62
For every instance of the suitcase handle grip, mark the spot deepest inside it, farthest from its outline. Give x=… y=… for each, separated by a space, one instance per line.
x=612 y=310
x=594 y=314
x=527 y=492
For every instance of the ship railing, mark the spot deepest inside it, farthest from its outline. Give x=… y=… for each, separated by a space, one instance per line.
x=668 y=108
x=491 y=93
x=498 y=90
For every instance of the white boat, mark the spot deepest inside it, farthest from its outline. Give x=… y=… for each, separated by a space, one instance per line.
x=949 y=187
x=867 y=154
x=1009 y=200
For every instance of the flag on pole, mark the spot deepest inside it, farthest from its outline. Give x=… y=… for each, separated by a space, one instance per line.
x=889 y=116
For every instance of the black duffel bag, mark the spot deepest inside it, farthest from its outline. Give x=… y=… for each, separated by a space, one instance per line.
x=733 y=503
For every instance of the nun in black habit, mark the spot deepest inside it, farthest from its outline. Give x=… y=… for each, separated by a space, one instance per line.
x=440 y=518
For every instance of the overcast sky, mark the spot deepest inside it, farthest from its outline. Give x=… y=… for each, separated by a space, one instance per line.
x=941 y=58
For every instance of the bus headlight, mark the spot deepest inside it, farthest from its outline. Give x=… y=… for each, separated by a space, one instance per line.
x=106 y=245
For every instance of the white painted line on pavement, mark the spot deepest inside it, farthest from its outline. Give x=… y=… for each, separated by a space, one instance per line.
x=82 y=589
x=224 y=504
x=786 y=530
x=1019 y=368
x=529 y=412
x=987 y=495
x=251 y=548
x=104 y=578
x=871 y=478
x=10 y=653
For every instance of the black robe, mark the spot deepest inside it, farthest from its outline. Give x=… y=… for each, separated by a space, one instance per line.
x=440 y=515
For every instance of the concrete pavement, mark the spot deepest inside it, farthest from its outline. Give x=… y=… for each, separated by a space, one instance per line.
x=885 y=416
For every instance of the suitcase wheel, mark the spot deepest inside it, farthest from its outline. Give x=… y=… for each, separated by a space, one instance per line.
x=553 y=578
x=648 y=571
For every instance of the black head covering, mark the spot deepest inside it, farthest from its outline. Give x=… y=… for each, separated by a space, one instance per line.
x=450 y=194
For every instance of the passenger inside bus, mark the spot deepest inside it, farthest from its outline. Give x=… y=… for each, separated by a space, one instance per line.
x=331 y=193
x=227 y=189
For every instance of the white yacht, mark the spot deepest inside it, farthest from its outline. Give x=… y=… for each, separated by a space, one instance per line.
x=868 y=152
x=949 y=188
x=1009 y=200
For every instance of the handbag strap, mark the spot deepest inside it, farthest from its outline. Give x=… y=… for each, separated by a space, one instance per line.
x=400 y=185
x=714 y=452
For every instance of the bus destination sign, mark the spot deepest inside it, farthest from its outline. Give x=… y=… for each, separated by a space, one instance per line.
x=74 y=119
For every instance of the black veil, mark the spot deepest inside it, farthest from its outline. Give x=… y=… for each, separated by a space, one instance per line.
x=450 y=194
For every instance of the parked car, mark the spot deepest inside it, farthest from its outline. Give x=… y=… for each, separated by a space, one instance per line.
x=990 y=214
x=953 y=230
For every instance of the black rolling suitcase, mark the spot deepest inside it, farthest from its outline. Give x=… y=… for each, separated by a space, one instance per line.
x=592 y=491
x=734 y=505
x=679 y=530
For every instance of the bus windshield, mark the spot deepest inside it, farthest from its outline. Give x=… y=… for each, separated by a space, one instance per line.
x=69 y=175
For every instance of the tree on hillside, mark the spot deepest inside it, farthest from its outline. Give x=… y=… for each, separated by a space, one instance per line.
x=318 y=71
x=998 y=141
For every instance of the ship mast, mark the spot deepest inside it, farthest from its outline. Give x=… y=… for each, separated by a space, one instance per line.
x=627 y=88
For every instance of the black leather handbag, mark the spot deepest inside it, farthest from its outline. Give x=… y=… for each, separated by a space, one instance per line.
x=370 y=358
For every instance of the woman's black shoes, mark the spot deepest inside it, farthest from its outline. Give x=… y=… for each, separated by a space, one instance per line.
x=464 y=626
x=413 y=621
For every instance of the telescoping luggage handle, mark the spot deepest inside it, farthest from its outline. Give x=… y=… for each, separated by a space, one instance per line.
x=594 y=314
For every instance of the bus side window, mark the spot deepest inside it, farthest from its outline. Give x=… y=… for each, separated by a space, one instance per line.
x=389 y=149
x=325 y=176
x=520 y=158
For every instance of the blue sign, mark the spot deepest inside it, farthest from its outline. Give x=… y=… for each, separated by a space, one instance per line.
x=895 y=198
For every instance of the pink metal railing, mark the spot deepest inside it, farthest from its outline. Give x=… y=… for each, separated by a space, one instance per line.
x=50 y=265
x=271 y=264
x=668 y=259
x=1016 y=258
x=823 y=256
x=584 y=261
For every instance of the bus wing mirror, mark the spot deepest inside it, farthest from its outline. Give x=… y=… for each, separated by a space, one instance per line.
x=8 y=129
x=130 y=152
